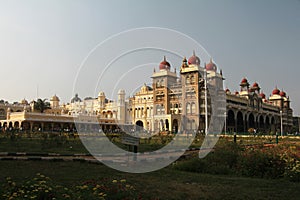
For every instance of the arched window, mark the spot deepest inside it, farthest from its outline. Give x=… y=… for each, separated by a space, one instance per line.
x=187 y=81
x=193 y=108
x=188 y=108
x=158 y=110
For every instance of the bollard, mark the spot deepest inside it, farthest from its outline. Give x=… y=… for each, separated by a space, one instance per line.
x=276 y=139
x=135 y=150
x=234 y=138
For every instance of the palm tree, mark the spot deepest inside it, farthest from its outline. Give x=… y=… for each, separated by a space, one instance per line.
x=41 y=105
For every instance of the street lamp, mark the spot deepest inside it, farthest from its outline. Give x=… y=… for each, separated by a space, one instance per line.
x=205 y=99
x=225 y=114
x=281 y=126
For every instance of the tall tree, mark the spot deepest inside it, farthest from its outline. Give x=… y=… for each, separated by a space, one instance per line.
x=41 y=105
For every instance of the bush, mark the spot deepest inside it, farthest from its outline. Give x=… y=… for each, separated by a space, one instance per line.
x=42 y=187
x=258 y=163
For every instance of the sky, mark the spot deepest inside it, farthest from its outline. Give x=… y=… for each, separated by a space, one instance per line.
x=43 y=44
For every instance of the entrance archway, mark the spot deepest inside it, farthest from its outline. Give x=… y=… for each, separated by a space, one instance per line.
x=251 y=121
x=139 y=125
x=240 y=122
x=175 y=126
x=230 y=121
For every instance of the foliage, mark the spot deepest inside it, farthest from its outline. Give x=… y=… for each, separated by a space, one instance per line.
x=275 y=161
x=42 y=187
x=41 y=105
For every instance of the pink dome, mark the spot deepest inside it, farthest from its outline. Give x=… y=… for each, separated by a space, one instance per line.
x=194 y=60
x=282 y=93
x=164 y=64
x=211 y=66
x=276 y=91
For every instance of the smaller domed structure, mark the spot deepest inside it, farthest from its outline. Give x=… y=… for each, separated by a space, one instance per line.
x=54 y=98
x=101 y=93
x=184 y=63
x=282 y=93
x=244 y=80
x=194 y=60
x=211 y=66
x=164 y=65
x=24 y=102
x=262 y=95
x=121 y=91
x=75 y=99
x=276 y=91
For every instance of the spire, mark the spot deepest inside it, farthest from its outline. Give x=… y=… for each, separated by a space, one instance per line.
x=165 y=58
x=194 y=54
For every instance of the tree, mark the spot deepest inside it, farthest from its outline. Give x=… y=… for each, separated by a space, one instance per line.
x=41 y=105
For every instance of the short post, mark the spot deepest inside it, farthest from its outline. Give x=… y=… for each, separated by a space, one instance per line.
x=234 y=138
x=276 y=138
x=135 y=150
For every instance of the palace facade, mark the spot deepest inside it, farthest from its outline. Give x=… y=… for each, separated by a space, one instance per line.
x=163 y=106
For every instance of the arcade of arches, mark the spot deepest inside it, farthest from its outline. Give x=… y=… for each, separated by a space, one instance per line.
x=241 y=121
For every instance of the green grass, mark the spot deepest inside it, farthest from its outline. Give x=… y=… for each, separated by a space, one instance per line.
x=163 y=184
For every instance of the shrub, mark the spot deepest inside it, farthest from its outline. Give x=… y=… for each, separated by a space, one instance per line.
x=258 y=163
x=42 y=187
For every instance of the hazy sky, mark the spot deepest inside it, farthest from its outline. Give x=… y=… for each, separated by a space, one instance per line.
x=43 y=43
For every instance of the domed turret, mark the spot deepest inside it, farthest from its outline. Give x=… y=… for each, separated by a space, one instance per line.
x=194 y=60
x=276 y=91
x=164 y=65
x=244 y=81
x=184 y=63
x=54 y=101
x=244 y=85
x=255 y=85
x=262 y=95
x=101 y=94
x=282 y=93
x=121 y=91
x=75 y=99
x=54 y=98
x=24 y=102
x=211 y=66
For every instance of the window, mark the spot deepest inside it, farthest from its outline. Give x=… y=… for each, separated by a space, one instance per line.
x=188 y=108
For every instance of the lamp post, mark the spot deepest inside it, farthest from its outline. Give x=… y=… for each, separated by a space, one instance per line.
x=225 y=114
x=281 y=125
x=205 y=98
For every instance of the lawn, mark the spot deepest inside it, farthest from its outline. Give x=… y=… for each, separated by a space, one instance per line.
x=163 y=184
x=177 y=181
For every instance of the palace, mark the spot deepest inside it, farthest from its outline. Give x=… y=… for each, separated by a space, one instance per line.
x=162 y=106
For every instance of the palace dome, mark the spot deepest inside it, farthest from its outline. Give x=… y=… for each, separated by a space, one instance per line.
x=75 y=99
x=276 y=91
x=255 y=85
x=211 y=66
x=282 y=93
x=262 y=95
x=101 y=93
x=194 y=60
x=24 y=102
x=54 y=98
x=164 y=64
x=244 y=80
